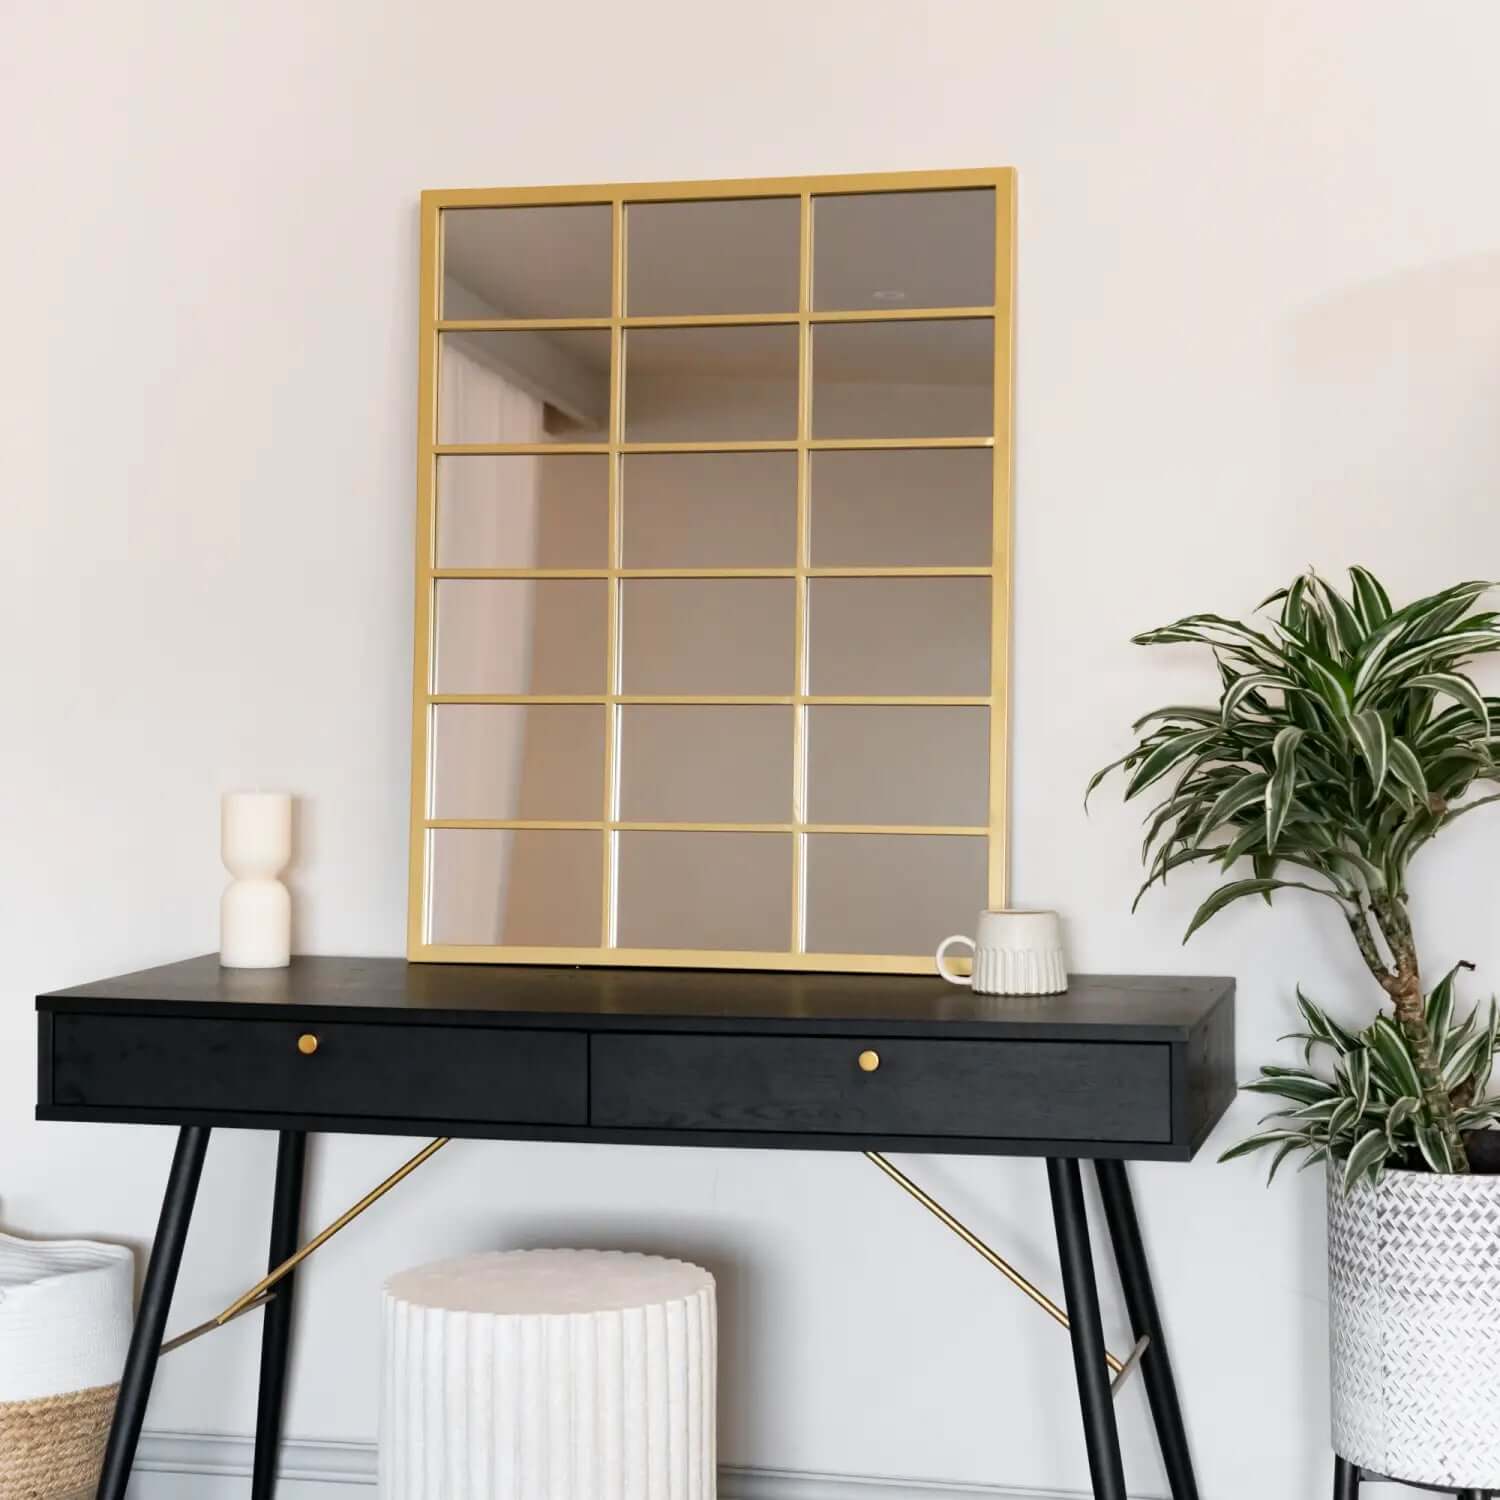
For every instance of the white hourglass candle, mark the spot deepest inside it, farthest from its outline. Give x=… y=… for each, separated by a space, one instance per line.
x=255 y=915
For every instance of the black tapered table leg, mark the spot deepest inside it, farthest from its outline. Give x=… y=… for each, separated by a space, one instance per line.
x=1145 y=1322
x=151 y=1317
x=1081 y=1293
x=1345 y=1479
x=276 y=1331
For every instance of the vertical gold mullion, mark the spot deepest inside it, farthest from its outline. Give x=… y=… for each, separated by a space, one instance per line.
x=417 y=886
x=1003 y=477
x=799 y=709
x=612 y=670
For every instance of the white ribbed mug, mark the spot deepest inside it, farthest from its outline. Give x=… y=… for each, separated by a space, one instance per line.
x=1017 y=953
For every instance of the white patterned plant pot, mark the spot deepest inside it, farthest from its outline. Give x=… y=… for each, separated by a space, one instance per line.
x=1414 y=1327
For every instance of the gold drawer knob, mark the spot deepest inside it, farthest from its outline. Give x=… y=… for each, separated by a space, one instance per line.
x=307 y=1044
x=869 y=1060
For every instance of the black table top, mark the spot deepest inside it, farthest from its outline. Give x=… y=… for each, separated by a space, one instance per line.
x=1096 y=1007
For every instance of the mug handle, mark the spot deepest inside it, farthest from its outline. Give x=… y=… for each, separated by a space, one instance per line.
x=943 y=948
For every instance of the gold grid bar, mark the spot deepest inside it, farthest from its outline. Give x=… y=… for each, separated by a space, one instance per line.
x=608 y=865
x=716 y=320
x=758 y=445
x=1000 y=555
x=724 y=187
x=426 y=552
x=943 y=830
x=817 y=700
x=799 y=647
x=617 y=197
x=984 y=570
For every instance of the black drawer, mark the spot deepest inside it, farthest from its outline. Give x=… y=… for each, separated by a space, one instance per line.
x=1103 y=1091
x=498 y=1076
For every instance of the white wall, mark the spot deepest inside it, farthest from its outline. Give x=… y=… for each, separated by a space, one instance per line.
x=1259 y=326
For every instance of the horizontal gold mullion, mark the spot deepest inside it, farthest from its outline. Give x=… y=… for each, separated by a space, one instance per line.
x=731 y=187
x=444 y=450
x=813 y=700
x=519 y=325
x=713 y=320
x=765 y=445
x=898 y=314
x=627 y=825
x=891 y=571
x=675 y=958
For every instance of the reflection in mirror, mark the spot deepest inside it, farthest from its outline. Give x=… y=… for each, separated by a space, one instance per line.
x=523 y=510
x=710 y=384
x=522 y=887
x=705 y=890
x=709 y=510
x=902 y=507
x=717 y=255
x=518 y=761
x=541 y=262
x=705 y=763
x=891 y=893
x=720 y=636
x=917 y=637
x=918 y=378
x=898 y=765
x=520 y=635
x=545 y=387
x=880 y=250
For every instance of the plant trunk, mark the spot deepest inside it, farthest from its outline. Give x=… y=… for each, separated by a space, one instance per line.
x=1404 y=986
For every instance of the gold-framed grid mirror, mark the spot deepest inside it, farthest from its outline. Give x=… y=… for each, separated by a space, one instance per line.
x=713 y=555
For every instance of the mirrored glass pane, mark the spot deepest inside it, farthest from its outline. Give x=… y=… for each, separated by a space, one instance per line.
x=705 y=763
x=718 y=256
x=546 y=387
x=919 y=378
x=521 y=761
x=541 y=262
x=523 y=511
x=884 y=637
x=892 y=893
x=520 y=887
x=904 y=250
x=691 y=385
x=521 y=635
x=705 y=890
x=901 y=507
x=708 y=636
x=709 y=510
x=898 y=765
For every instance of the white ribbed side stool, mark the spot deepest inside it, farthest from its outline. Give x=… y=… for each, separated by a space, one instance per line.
x=549 y=1375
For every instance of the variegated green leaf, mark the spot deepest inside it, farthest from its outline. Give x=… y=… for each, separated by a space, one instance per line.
x=1460 y=689
x=1434 y=1147
x=1373 y=739
x=1367 y=1152
x=1407 y=769
x=1170 y=753
x=1282 y=785
x=1370 y=598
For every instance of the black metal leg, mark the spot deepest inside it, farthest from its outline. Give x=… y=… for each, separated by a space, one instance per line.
x=276 y=1331
x=1145 y=1322
x=151 y=1318
x=1345 y=1479
x=1100 y=1435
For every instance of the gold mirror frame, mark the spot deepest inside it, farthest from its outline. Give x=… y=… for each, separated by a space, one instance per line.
x=617 y=197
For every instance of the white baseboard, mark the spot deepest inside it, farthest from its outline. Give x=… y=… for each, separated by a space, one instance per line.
x=198 y=1466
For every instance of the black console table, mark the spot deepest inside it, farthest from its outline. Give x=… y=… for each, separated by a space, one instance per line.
x=1117 y=1068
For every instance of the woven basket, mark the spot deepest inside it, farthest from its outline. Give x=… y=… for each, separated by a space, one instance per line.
x=52 y=1448
x=1414 y=1324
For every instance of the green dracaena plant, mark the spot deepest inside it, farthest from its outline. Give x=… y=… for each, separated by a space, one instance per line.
x=1345 y=738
